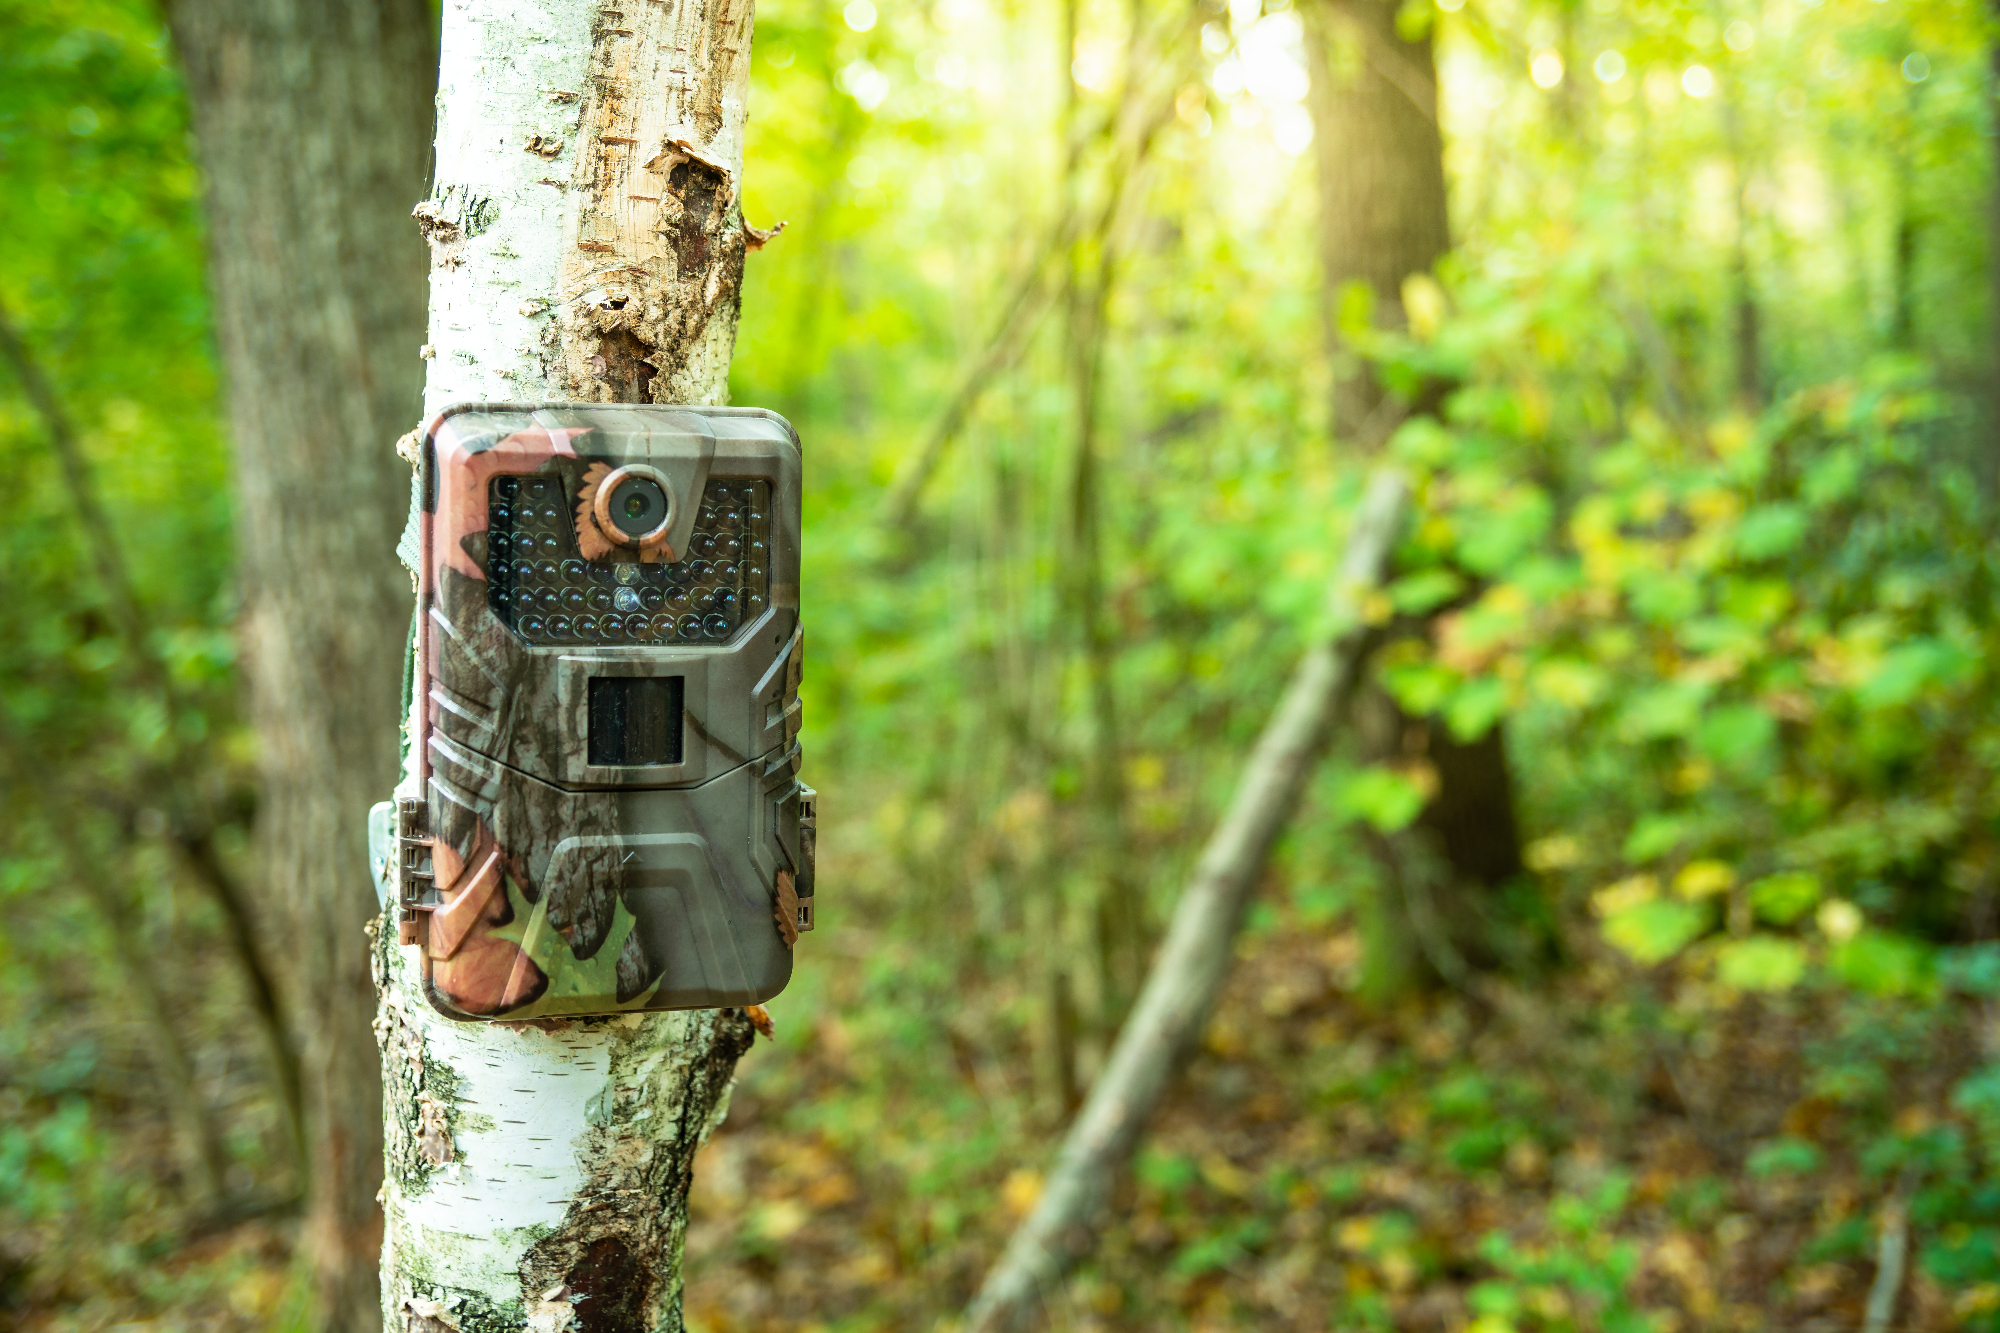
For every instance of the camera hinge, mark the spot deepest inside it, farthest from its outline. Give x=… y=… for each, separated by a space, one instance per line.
x=416 y=881
x=808 y=852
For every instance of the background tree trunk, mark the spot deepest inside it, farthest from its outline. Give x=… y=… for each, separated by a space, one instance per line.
x=1383 y=219
x=587 y=242
x=314 y=122
x=1381 y=181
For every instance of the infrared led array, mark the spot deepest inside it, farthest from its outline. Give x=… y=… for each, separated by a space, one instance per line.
x=542 y=590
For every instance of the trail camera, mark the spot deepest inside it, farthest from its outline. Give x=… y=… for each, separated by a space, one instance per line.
x=607 y=722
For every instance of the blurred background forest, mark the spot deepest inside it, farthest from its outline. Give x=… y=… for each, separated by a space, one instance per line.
x=1632 y=965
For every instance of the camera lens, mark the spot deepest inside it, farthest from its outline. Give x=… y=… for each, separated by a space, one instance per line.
x=688 y=627
x=638 y=506
x=716 y=627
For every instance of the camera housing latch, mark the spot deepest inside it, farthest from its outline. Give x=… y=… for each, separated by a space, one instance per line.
x=416 y=880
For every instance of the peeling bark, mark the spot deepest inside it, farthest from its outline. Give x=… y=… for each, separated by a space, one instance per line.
x=587 y=243
x=631 y=260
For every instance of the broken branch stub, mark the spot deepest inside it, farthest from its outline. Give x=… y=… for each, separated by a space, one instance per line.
x=1193 y=962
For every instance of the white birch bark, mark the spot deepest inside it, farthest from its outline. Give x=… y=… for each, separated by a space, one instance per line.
x=587 y=244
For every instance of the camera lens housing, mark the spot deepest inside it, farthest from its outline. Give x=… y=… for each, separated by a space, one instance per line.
x=634 y=506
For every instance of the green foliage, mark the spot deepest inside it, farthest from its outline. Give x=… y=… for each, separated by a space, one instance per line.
x=1580 y=1279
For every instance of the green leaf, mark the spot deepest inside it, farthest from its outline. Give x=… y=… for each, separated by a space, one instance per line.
x=1755 y=602
x=1761 y=962
x=1651 y=932
x=1662 y=596
x=1882 y=963
x=1785 y=897
x=1770 y=530
x=1475 y=707
x=1504 y=529
x=1784 y=1157
x=1569 y=682
x=1384 y=797
x=1655 y=835
x=1973 y=969
x=1910 y=668
x=1420 y=687
x=1424 y=590
x=1737 y=736
x=1666 y=710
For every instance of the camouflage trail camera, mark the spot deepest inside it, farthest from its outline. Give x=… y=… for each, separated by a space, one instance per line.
x=606 y=728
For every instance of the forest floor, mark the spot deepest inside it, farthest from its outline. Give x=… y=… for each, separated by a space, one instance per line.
x=1523 y=1159
x=1526 y=1159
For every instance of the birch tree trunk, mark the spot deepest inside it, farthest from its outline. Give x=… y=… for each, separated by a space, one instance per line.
x=587 y=244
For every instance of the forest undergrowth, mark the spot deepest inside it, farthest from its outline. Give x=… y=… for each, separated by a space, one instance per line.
x=1542 y=1157
x=1550 y=1156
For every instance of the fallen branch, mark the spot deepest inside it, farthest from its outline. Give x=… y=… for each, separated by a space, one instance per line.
x=1194 y=961
x=1892 y=1250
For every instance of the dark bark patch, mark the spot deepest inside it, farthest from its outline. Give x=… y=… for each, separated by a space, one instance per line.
x=621 y=366
x=618 y=1247
x=614 y=1288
